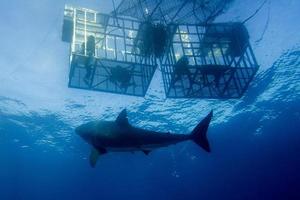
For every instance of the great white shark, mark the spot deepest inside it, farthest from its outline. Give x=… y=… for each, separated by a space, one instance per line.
x=121 y=136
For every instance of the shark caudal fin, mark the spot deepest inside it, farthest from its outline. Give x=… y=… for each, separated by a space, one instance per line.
x=199 y=134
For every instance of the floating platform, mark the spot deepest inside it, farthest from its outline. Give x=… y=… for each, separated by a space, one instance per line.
x=173 y=11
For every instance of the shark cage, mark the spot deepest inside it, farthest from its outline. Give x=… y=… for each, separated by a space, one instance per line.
x=209 y=61
x=198 y=58
x=103 y=54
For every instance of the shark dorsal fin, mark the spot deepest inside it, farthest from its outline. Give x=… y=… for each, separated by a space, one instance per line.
x=122 y=118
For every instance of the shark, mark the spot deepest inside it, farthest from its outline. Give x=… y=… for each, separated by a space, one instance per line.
x=120 y=136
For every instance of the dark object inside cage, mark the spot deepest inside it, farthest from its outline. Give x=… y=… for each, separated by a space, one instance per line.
x=103 y=57
x=110 y=76
x=68 y=25
x=153 y=39
x=214 y=61
x=234 y=34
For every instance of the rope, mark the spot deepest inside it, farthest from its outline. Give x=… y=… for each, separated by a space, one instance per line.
x=253 y=15
x=266 y=25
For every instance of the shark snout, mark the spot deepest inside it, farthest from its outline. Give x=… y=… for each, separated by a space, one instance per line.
x=78 y=130
x=82 y=131
x=85 y=131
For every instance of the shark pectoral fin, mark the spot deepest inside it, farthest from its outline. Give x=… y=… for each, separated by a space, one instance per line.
x=95 y=155
x=146 y=152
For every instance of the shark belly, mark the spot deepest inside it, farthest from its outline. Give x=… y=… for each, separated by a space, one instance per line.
x=149 y=147
x=142 y=144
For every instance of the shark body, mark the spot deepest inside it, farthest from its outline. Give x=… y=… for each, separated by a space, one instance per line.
x=121 y=136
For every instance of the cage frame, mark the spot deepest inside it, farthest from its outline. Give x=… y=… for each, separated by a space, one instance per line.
x=238 y=71
x=114 y=31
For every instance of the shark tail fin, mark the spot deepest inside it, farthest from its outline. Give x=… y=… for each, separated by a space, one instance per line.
x=199 y=134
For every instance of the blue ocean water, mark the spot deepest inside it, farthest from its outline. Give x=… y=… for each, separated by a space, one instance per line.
x=255 y=140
